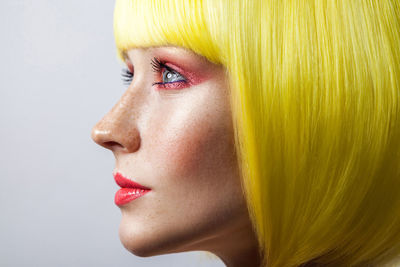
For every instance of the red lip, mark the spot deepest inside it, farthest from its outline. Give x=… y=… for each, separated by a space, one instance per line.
x=129 y=190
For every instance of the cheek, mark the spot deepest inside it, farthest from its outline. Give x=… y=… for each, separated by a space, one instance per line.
x=183 y=149
x=194 y=143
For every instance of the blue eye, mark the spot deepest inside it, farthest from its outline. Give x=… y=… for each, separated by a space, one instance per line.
x=169 y=76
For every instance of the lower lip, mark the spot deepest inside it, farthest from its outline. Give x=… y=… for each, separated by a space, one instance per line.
x=126 y=195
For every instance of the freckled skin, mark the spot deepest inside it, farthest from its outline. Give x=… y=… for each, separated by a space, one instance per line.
x=179 y=143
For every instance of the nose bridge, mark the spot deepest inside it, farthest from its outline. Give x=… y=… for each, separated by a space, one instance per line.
x=118 y=130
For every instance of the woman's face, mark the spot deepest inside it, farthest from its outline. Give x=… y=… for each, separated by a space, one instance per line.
x=177 y=140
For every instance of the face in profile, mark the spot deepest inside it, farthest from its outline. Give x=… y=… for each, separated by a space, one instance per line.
x=172 y=134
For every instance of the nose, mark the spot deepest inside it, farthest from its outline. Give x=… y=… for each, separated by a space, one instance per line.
x=117 y=130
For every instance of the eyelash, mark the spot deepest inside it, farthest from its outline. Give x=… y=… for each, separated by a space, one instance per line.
x=158 y=66
x=127 y=76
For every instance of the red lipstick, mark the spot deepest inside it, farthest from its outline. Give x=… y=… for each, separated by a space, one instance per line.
x=129 y=190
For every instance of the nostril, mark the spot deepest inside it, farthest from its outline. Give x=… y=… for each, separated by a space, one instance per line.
x=112 y=144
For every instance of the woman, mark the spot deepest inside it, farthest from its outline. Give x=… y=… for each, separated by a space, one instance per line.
x=265 y=132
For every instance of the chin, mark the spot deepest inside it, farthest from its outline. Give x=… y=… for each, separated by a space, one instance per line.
x=141 y=239
x=145 y=240
x=136 y=241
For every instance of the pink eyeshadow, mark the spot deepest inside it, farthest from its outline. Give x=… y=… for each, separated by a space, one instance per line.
x=192 y=78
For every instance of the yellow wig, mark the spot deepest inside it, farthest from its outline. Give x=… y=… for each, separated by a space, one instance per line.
x=315 y=94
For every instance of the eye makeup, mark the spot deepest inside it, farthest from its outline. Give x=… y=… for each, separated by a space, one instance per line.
x=163 y=71
x=166 y=72
x=173 y=68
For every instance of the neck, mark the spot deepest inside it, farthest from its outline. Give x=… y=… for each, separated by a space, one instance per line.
x=238 y=248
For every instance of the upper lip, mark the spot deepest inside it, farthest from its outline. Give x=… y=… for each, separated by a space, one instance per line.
x=127 y=183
